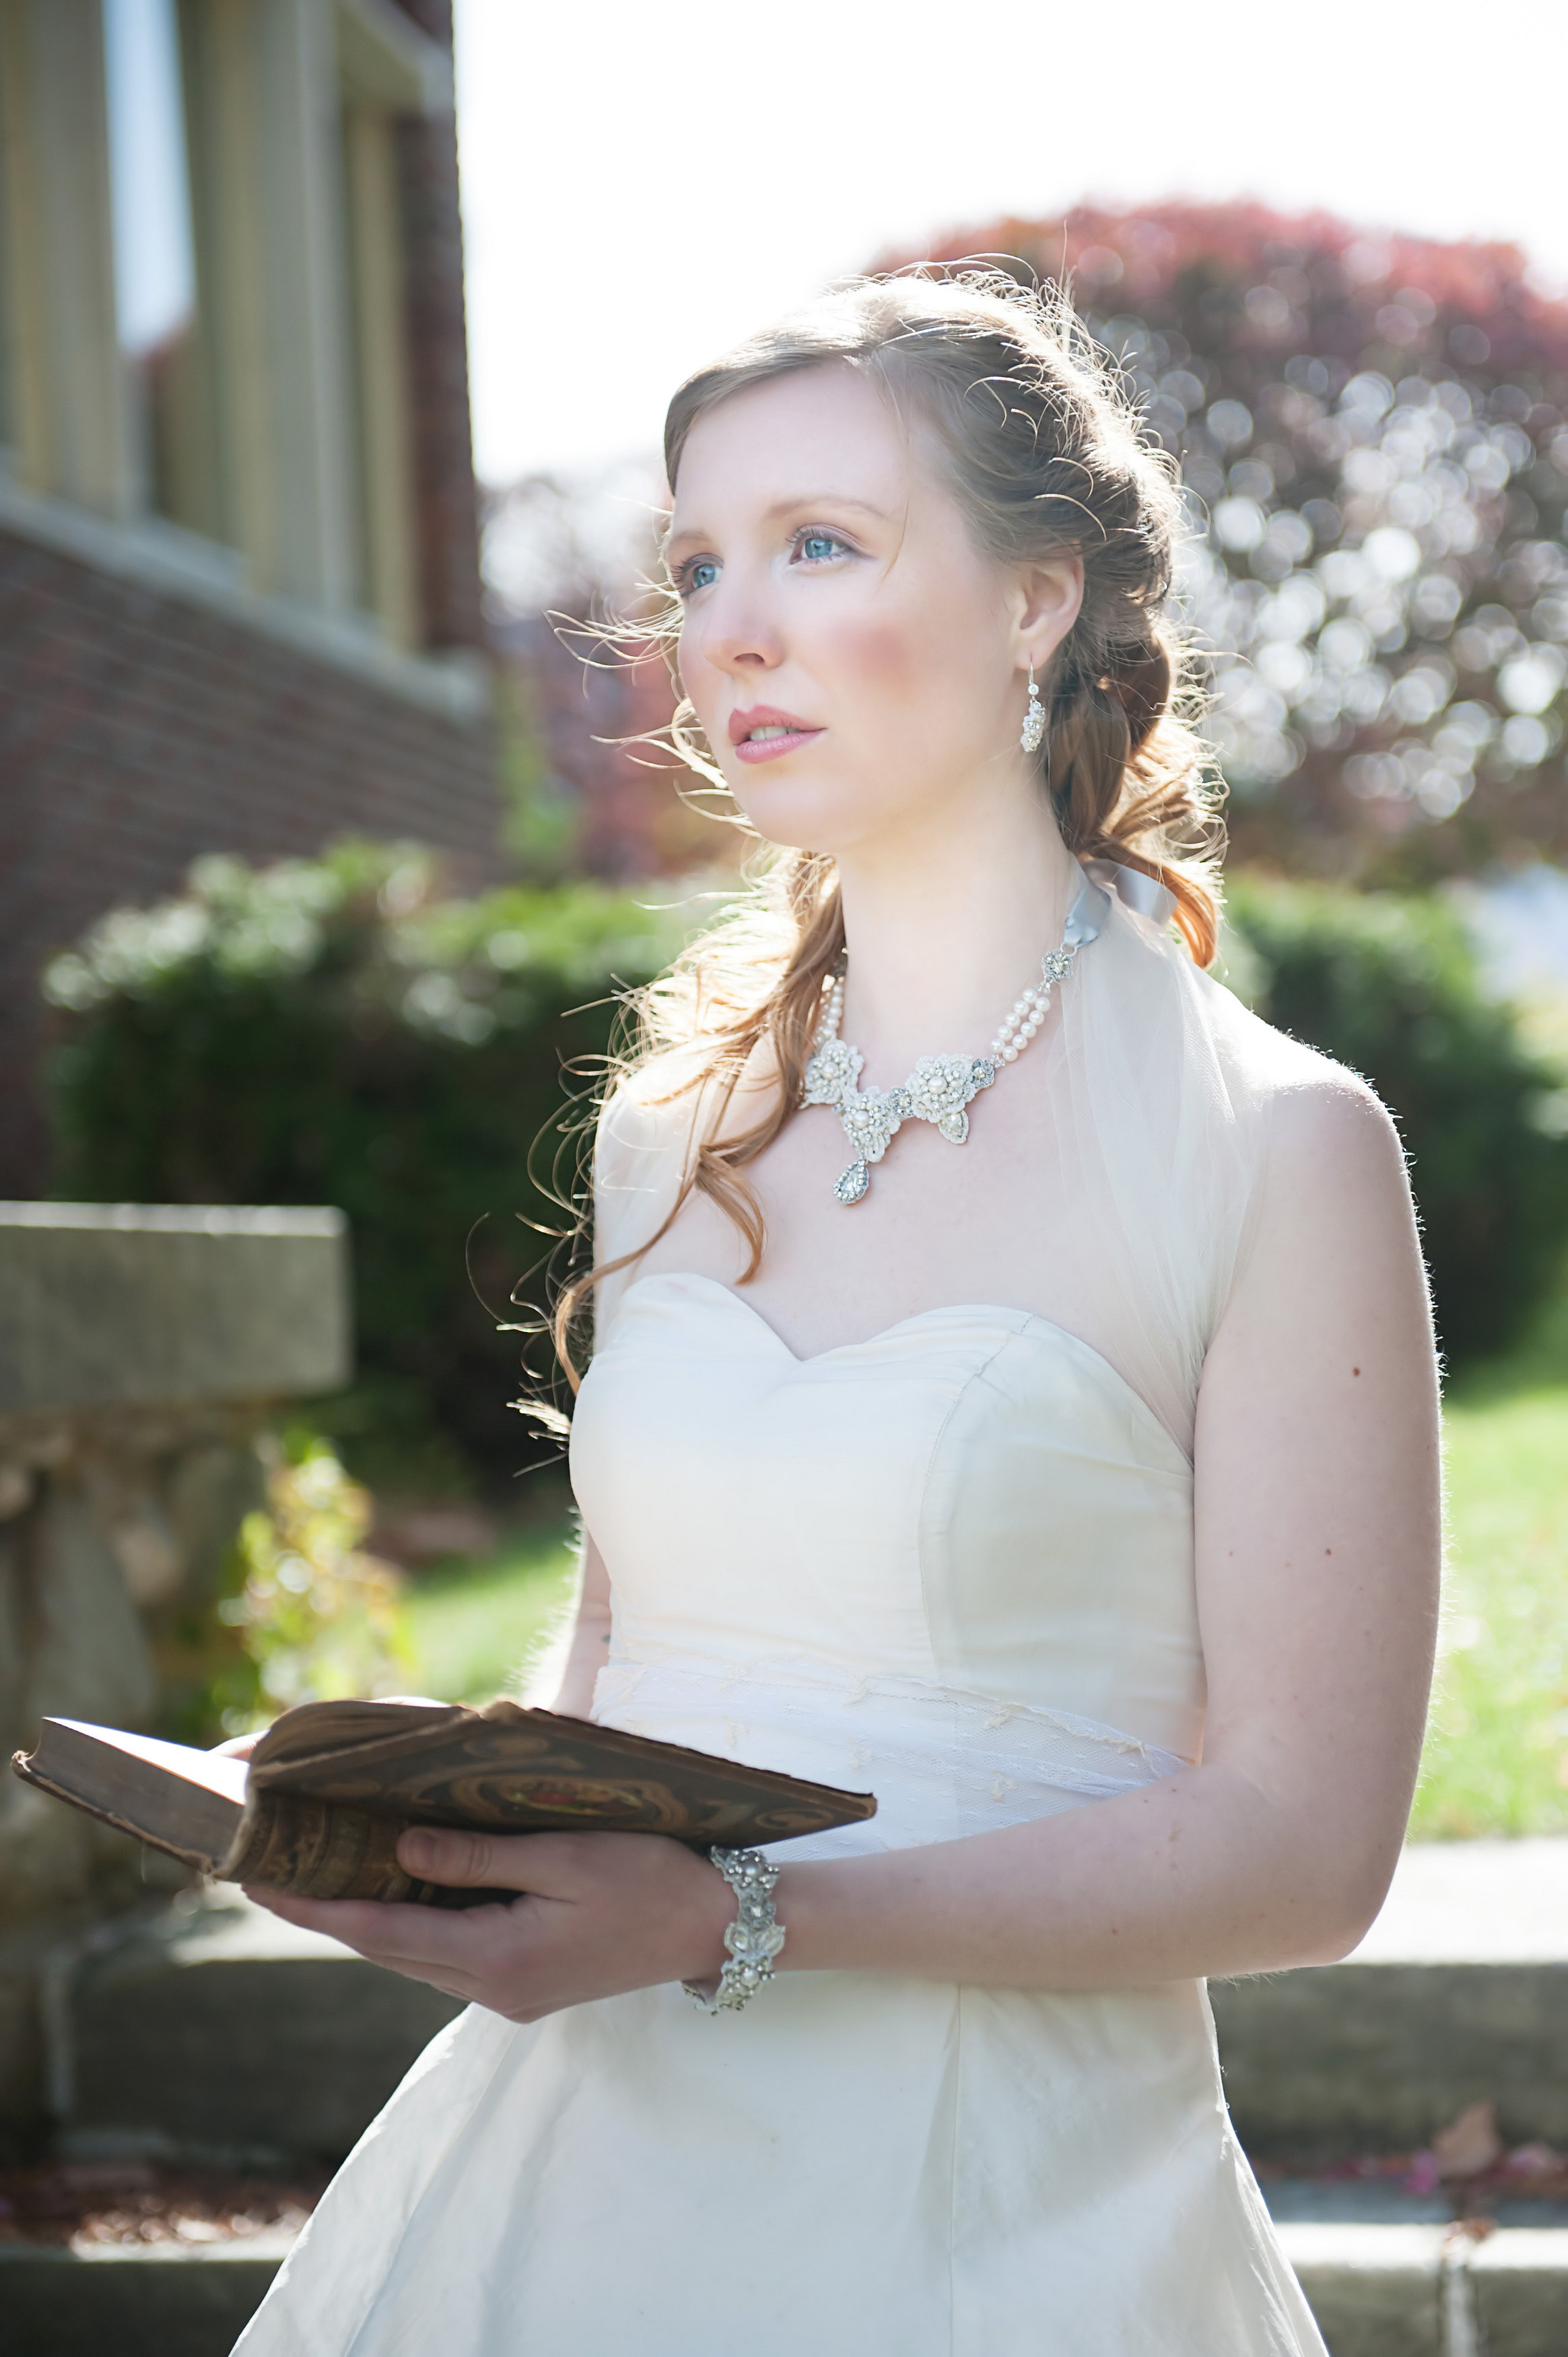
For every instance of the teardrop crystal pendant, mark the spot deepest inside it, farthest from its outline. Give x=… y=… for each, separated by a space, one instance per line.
x=851 y=1184
x=1033 y=730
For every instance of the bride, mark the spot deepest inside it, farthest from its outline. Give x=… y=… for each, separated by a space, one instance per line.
x=1013 y=1393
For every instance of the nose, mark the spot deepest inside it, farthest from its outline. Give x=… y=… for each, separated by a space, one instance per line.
x=735 y=632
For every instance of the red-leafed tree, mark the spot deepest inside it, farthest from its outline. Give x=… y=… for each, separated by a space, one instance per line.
x=588 y=786
x=1373 y=431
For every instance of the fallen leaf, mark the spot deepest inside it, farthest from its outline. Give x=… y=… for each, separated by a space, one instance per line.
x=1470 y=2145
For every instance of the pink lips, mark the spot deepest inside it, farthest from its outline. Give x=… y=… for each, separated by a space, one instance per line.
x=794 y=733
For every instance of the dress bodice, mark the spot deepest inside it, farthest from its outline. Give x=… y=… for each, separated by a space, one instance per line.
x=990 y=1509
x=972 y=1500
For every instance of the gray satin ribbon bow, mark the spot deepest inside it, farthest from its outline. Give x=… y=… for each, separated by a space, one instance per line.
x=1135 y=890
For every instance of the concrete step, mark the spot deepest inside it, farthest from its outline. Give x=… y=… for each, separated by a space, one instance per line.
x=212 y=2031
x=149 y=2301
x=1420 y=2291
x=1458 y=1995
x=1378 y=2289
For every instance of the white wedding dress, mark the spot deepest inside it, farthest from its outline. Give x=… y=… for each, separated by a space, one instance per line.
x=953 y=1564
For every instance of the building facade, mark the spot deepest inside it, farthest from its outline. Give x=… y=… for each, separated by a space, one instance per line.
x=240 y=606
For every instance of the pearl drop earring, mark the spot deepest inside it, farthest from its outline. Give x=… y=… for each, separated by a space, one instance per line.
x=1033 y=729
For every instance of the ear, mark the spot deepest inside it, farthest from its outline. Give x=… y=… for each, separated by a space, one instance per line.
x=1047 y=601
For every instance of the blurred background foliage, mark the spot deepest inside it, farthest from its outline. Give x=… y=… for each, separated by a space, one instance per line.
x=1388 y=985
x=306 y=1609
x=314 y=1613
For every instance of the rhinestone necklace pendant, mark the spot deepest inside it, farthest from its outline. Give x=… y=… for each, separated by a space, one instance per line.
x=940 y=1089
x=853 y=1181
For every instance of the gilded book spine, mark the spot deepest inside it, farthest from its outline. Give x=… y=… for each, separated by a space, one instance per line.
x=320 y=1849
x=317 y=1849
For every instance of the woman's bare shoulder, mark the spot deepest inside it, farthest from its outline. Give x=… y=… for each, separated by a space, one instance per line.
x=1324 y=1148
x=1303 y=1092
x=1331 y=1274
x=1334 y=1187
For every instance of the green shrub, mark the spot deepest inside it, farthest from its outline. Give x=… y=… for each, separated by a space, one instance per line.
x=334 y=1031
x=316 y=1616
x=1388 y=985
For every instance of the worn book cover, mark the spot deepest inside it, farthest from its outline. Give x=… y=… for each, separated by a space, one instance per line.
x=330 y=1785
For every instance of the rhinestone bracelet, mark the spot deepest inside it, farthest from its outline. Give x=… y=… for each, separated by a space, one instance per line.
x=754 y=1939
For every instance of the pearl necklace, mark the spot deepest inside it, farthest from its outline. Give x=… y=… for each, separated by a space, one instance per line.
x=941 y=1087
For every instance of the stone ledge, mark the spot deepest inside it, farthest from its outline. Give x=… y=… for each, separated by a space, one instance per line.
x=1457 y=1995
x=1353 y=2057
x=1413 y=2291
x=155 y=2302
x=1356 y=2058
x=217 y=2032
x=116 y=1305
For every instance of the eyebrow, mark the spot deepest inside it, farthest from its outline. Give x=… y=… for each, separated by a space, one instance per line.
x=792 y=505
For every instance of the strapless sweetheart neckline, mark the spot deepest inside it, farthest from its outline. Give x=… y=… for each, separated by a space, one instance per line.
x=1018 y=1320
x=863 y=1341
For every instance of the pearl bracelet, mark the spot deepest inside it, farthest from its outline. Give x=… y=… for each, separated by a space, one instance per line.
x=754 y=1939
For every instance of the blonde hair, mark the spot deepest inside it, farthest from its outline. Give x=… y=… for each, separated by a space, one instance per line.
x=1044 y=453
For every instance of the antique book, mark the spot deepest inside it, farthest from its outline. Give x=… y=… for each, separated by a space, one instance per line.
x=330 y=1785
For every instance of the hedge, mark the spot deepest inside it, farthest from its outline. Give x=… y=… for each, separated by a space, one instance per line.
x=336 y=1031
x=1387 y=984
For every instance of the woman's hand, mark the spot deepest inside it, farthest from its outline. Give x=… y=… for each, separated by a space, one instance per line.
x=597 y=1914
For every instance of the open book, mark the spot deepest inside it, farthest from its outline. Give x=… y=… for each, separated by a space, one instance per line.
x=330 y=1785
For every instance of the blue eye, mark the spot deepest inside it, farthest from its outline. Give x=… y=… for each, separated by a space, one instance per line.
x=818 y=547
x=701 y=574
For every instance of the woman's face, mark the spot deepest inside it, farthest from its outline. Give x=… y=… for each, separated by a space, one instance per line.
x=853 y=657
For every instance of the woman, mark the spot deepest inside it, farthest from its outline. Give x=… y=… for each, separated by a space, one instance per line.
x=1074 y=1487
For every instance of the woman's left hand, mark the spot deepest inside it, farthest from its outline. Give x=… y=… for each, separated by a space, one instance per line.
x=597 y=1914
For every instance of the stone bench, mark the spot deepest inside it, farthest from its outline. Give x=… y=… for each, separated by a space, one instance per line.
x=141 y=1347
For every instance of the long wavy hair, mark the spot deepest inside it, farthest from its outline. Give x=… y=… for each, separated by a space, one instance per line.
x=1044 y=453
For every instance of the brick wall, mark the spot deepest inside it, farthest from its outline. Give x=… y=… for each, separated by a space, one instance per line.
x=137 y=732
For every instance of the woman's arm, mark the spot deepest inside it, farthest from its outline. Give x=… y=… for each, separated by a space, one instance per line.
x=1317 y=1550
x=589 y=1649
x=1319 y=1540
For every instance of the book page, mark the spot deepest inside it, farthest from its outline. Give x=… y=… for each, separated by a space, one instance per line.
x=214 y=1771
x=176 y=1799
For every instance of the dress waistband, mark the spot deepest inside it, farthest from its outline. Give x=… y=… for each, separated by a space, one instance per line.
x=941 y=1761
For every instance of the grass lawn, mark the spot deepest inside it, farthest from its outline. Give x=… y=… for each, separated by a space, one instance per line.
x=1497 y=1750
x=470 y=1629
x=1496 y=1747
